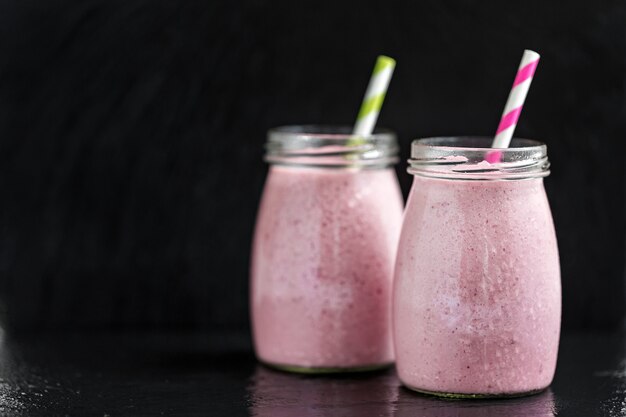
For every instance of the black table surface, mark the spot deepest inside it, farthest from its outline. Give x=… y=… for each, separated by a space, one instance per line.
x=131 y=374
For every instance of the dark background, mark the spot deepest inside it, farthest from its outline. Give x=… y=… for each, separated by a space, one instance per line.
x=131 y=137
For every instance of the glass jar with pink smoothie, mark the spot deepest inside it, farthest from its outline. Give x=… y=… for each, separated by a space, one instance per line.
x=477 y=292
x=324 y=249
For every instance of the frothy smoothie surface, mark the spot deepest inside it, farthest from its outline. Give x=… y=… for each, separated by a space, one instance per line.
x=322 y=267
x=477 y=291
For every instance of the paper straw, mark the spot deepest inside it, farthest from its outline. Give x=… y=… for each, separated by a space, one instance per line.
x=374 y=96
x=514 y=104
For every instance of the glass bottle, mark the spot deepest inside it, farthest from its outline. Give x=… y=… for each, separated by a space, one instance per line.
x=324 y=249
x=477 y=297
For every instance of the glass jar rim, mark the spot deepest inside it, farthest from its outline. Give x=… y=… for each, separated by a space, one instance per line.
x=466 y=158
x=326 y=132
x=330 y=146
x=444 y=143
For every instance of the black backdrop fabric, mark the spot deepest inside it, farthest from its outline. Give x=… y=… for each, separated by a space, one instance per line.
x=132 y=131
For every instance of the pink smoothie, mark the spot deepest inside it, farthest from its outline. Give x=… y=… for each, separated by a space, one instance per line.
x=322 y=267
x=477 y=297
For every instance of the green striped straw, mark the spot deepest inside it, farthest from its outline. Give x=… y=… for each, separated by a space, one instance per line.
x=374 y=97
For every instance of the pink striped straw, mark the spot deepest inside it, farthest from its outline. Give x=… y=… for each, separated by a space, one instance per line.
x=514 y=104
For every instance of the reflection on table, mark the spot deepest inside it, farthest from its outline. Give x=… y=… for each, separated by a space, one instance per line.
x=278 y=394
x=539 y=405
